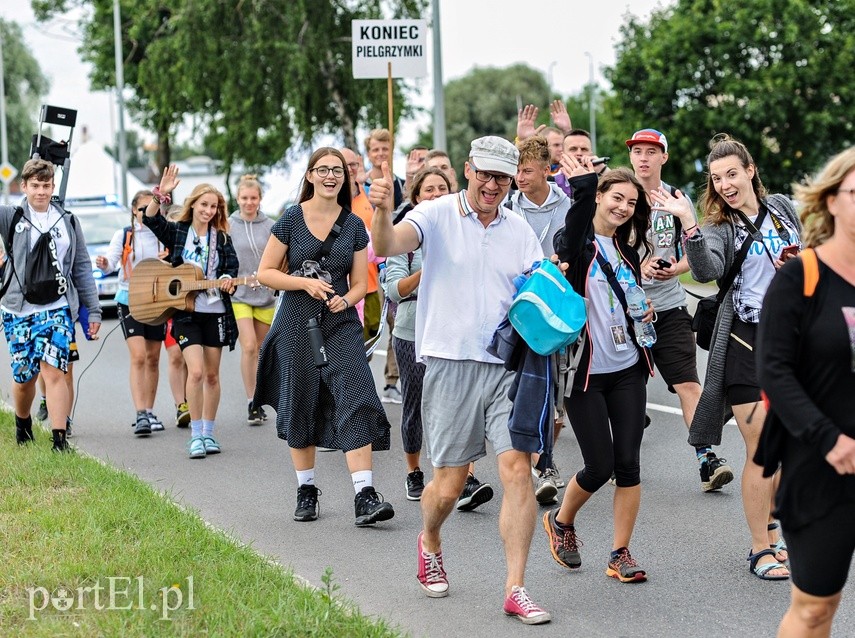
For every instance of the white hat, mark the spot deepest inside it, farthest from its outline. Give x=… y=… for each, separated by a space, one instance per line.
x=495 y=155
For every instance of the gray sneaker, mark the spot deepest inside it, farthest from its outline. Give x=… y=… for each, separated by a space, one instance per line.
x=545 y=490
x=391 y=394
x=552 y=474
x=42 y=414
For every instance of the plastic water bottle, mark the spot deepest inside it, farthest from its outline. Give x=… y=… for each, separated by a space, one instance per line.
x=636 y=302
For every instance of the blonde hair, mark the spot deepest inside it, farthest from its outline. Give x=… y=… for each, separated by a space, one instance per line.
x=534 y=149
x=379 y=134
x=220 y=220
x=249 y=181
x=813 y=194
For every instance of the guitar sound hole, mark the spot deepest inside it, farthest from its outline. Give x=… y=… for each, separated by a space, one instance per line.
x=174 y=287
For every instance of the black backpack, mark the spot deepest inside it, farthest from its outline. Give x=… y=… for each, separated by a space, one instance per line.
x=44 y=282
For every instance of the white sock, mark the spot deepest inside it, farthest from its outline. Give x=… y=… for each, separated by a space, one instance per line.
x=249 y=401
x=306 y=477
x=195 y=428
x=207 y=428
x=362 y=478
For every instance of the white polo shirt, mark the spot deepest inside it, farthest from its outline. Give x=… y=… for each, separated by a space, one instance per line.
x=468 y=275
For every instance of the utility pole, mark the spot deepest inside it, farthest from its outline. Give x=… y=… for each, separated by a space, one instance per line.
x=592 y=102
x=120 y=101
x=438 y=88
x=4 y=144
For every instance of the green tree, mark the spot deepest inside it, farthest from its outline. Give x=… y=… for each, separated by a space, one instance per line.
x=25 y=85
x=256 y=77
x=775 y=74
x=484 y=102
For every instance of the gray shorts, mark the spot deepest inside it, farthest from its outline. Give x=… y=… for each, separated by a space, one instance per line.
x=464 y=403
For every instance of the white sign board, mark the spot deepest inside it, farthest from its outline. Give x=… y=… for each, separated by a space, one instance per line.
x=378 y=42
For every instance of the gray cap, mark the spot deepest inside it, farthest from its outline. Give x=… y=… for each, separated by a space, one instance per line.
x=494 y=154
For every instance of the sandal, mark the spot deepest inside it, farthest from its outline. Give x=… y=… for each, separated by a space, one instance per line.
x=762 y=571
x=780 y=545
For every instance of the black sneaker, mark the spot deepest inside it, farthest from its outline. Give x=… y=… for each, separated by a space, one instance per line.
x=415 y=485
x=307 y=503
x=42 y=413
x=715 y=473
x=254 y=416
x=24 y=430
x=142 y=427
x=475 y=493
x=563 y=542
x=370 y=507
x=60 y=444
x=68 y=432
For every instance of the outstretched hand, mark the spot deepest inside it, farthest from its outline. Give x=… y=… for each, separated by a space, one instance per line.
x=677 y=205
x=382 y=191
x=526 y=118
x=169 y=180
x=571 y=167
x=560 y=116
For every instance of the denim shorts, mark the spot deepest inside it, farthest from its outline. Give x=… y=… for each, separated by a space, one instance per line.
x=42 y=336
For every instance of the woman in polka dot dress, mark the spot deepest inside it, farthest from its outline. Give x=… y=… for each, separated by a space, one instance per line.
x=335 y=405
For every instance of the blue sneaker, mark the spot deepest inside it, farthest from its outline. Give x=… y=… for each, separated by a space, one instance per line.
x=196 y=447
x=211 y=445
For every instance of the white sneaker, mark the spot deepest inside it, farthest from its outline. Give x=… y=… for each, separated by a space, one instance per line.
x=391 y=394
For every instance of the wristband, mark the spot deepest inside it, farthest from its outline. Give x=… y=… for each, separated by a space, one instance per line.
x=346 y=303
x=164 y=199
x=686 y=231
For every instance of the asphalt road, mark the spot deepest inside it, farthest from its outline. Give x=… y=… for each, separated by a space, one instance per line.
x=692 y=544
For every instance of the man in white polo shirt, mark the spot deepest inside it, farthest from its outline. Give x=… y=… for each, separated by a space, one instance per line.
x=472 y=249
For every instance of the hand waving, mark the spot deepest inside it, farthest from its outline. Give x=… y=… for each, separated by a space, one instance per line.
x=560 y=116
x=382 y=190
x=677 y=205
x=169 y=180
x=526 y=118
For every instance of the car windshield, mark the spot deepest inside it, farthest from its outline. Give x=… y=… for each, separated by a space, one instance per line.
x=99 y=228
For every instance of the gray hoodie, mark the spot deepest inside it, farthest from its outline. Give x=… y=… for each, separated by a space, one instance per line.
x=250 y=239
x=545 y=220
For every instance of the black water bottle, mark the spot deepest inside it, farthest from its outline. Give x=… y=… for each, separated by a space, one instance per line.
x=316 y=339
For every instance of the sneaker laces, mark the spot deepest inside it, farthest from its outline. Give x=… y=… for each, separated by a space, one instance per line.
x=434 y=571
x=307 y=498
x=624 y=559
x=550 y=473
x=372 y=497
x=569 y=540
x=520 y=597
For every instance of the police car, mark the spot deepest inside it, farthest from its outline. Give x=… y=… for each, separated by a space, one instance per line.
x=100 y=218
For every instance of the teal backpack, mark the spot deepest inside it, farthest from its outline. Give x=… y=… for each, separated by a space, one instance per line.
x=546 y=312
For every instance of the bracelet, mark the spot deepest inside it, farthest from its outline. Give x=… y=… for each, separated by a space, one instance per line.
x=346 y=303
x=686 y=231
x=164 y=199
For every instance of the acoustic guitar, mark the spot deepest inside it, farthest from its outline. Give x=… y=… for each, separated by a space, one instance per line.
x=156 y=290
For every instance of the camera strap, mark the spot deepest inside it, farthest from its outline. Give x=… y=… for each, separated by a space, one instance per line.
x=335 y=231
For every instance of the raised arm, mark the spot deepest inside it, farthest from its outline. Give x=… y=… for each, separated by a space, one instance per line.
x=387 y=239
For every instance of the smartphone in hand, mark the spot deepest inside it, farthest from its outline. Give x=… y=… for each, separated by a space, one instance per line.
x=789 y=252
x=661 y=263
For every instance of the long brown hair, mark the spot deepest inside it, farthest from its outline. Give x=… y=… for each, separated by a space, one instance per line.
x=813 y=194
x=220 y=220
x=635 y=232
x=308 y=189
x=713 y=208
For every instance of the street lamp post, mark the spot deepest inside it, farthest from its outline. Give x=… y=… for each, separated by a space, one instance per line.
x=120 y=101
x=592 y=101
x=4 y=144
x=438 y=89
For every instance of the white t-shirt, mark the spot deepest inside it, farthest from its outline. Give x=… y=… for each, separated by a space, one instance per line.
x=52 y=220
x=468 y=275
x=196 y=252
x=606 y=319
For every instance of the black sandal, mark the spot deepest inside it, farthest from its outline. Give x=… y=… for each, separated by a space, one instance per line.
x=762 y=571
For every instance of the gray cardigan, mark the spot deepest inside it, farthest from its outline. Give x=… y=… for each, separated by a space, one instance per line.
x=397 y=268
x=81 y=283
x=711 y=252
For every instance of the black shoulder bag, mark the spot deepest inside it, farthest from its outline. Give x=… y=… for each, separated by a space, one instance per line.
x=703 y=322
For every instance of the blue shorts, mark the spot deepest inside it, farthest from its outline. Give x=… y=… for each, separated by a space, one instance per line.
x=43 y=336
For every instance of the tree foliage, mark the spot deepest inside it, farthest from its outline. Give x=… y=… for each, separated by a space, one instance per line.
x=25 y=85
x=775 y=74
x=256 y=77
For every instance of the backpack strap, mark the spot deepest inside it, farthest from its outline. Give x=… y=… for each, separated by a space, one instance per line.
x=811 y=268
x=17 y=216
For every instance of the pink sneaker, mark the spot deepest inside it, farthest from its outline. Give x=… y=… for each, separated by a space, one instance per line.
x=520 y=605
x=431 y=575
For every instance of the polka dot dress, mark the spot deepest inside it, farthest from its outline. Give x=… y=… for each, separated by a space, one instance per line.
x=335 y=406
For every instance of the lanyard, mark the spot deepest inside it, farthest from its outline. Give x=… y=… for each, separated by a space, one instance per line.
x=605 y=274
x=203 y=252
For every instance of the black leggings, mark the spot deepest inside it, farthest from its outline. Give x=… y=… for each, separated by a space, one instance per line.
x=821 y=552
x=619 y=398
x=412 y=379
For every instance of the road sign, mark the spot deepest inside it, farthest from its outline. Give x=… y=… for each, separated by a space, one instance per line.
x=376 y=43
x=7 y=172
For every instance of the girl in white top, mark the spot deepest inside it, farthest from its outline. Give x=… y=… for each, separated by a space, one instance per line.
x=128 y=247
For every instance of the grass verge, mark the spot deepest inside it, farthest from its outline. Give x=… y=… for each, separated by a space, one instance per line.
x=88 y=550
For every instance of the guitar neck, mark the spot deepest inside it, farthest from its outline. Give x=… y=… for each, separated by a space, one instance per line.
x=206 y=284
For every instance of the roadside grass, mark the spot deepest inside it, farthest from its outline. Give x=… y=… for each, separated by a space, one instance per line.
x=69 y=522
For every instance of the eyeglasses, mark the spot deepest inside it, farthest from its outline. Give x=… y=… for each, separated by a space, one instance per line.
x=485 y=177
x=323 y=171
x=851 y=192
x=353 y=165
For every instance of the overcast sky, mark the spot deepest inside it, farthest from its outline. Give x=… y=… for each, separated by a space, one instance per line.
x=552 y=36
